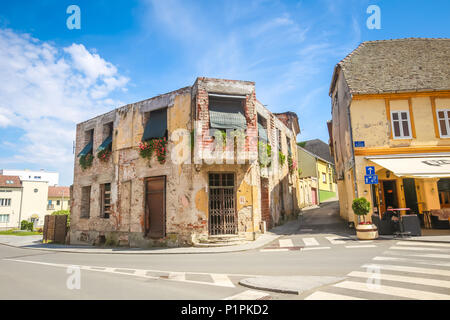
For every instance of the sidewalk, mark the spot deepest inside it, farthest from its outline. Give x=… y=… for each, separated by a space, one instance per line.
x=35 y=243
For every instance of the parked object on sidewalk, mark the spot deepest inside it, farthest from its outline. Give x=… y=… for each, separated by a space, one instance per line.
x=411 y=224
x=384 y=226
x=364 y=230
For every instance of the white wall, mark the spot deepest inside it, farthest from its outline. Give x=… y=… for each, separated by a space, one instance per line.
x=27 y=175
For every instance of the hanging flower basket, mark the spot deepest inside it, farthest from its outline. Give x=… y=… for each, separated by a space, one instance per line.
x=86 y=161
x=292 y=164
x=157 y=146
x=104 y=155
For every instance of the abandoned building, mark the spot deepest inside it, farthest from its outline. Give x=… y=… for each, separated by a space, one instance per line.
x=147 y=174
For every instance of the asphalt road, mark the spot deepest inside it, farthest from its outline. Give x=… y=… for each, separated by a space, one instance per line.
x=33 y=274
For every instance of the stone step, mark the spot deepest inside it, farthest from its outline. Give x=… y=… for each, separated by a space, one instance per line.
x=218 y=244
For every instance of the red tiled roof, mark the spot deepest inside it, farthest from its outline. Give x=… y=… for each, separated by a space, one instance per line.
x=10 y=181
x=57 y=192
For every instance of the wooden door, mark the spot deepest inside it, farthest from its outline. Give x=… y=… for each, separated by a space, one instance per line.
x=155 y=207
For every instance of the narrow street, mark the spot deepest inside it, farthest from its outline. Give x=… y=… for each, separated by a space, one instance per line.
x=319 y=244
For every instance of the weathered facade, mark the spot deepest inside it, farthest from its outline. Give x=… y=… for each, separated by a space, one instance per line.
x=202 y=189
x=391 y=111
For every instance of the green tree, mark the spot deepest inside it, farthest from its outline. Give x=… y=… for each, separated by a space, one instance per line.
x=361 y=207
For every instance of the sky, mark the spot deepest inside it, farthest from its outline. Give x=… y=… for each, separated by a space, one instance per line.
x=53 y=77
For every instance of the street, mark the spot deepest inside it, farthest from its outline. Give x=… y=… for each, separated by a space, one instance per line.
x=318 y=245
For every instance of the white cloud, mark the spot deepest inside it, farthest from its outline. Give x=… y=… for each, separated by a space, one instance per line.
x=45 y=91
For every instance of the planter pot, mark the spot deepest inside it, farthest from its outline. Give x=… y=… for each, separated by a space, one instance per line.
x=367 y=232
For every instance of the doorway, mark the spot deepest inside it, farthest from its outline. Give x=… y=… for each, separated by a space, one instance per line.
x=389 y=193
x=265 y=205
x=222 y=209
x=155 y=207
x=409 y=188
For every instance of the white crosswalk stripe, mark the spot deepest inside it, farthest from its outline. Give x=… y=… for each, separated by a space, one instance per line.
x=179 y=276
x=417 y=248
x=392 y=291
x=286 y=243
x=390 y=277
x=248 y=295
x=321 y=295
x=310 y=242
x=430 y=271
x=362 y=246
x=222 y=280
x=415 y=261
x=426 y=244
x=315 y=248
x=406 y=270
x=336 y=240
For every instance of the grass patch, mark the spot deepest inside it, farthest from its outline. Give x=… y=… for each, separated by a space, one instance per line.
x=19 y=233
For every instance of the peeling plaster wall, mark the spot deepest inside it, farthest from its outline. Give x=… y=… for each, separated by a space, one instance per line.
x=186 y=184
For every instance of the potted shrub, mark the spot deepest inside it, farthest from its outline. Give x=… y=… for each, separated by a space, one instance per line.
x=364 y=230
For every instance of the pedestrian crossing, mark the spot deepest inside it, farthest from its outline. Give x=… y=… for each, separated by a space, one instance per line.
x=203 y=278
x=321 y=242
x=407 y=270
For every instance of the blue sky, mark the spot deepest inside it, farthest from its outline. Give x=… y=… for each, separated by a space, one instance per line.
x=126 y=51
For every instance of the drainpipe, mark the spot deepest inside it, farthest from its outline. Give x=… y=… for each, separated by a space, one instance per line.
x=20 y=209
x=353 y=151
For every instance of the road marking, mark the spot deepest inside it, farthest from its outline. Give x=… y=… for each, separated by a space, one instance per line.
x=248 y=295
x=439 y=272
x=416 y=243
x=222 y=279
x=418 y=248
x=273 y=250
x=426 y=262
x=321 y=295
x=310 y=242
x=362 y=246
x=179 y=276
x=336 y=240
x=392 y=291
x=315 y=248
x=285 y=243
x=428 y=255
x=172 y=276
x=390 y=277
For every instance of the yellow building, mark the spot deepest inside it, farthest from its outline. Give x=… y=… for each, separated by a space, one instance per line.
x=58 y=199
x=391 y=114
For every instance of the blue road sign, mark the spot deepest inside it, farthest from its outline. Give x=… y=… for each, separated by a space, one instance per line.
x=360 y=144
x=370 y=171
x=371 y=179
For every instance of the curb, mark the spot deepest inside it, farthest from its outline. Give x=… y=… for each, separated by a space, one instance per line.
x=137 y=252
x=287 y=291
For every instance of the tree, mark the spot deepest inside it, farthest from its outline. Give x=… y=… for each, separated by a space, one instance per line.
x=361 y=207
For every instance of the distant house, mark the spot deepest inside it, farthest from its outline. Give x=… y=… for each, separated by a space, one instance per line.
x=315 y=162
x=58 y=199
x=10 y=201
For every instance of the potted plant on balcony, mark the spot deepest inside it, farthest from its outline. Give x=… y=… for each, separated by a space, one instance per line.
x=364 y=230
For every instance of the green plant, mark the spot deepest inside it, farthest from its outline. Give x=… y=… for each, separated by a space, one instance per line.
x=361 y=207
x=104 y=155
x=292 y=164
x=264 y=154
x=299 y=172
x=281 y=158
x=25 y=225
x=86 y=161
x=63 y=213
x=159 y=146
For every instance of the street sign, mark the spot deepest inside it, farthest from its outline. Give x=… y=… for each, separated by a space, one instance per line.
x=373 y=179
x=370 y=170
x=360 y=144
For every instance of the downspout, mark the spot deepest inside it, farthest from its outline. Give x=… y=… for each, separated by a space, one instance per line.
x=20 y=210
x=353 y=151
